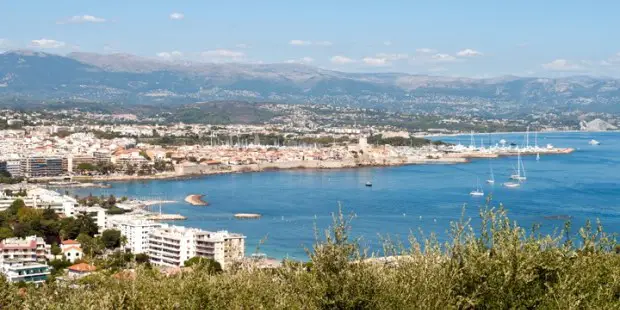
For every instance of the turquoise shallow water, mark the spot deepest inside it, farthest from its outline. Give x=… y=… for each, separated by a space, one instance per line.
x=583 y=185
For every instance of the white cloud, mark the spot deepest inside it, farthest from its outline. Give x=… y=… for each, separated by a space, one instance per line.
x=303 y=60
x=299 y=42
x=177 y=16
x=219 y=55
x=306 y=43
x=425 y=50
x=341 y=60
x=170 y=55
x=47 y=43
x=468 y=52
x=443 y=58
x=374 y=61
x=562 y=65
x=392 y=57
x=384 y=59
x=4 y=42
x=242 y=45
x=81 y=19
x=387 y=43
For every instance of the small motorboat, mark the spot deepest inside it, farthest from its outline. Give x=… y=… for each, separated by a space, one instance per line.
x=368 y=184
x=594 y=142
x=512 y=184
x=477 y=193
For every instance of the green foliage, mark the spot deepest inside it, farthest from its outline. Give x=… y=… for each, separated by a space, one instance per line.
x=6 y=232
x=86 y=167
x=58 y=265
x=141 y=258
x=115 y=261
x=116 y=210
x=56 y=249
x=145 y=155
x=91 y=246
x=400 y=141
x=71 y=228
x=111 y=238
x=202 y=263
x=499 y=266
x=15 y=206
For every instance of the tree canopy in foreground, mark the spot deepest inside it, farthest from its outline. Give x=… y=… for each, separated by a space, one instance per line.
x=498 y=266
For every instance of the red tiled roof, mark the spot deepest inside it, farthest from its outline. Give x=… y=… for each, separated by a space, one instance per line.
x=82 y=267
x=72 y=247
x=31 y=245
x=70 y=241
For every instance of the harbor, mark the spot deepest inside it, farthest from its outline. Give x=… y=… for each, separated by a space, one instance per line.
x=403 y=198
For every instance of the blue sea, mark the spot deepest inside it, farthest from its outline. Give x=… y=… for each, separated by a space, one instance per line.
x=298 y=204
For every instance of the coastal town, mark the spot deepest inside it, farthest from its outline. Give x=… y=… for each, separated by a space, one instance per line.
x=38 y=162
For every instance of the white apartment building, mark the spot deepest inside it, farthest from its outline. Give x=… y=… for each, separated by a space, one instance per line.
x=30 y=272
x=135 y=231
x=96 y=213
x=173 y=245
x=29 y=249
x=42 y=198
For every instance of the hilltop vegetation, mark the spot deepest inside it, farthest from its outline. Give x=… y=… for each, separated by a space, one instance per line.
x=500 y=266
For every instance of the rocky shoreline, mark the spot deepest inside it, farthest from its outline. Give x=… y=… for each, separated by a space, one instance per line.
x=450 y=158
x=196 y=200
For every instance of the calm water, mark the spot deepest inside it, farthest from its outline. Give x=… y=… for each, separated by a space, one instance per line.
x=583 y=185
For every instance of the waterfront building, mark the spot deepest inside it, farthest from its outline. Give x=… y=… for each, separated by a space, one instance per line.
x=102 y=156
x=172 y=245
x=126 y=158
x=73 y=161
x=135 y=231
x=14 y=167
x=15 y=122
x=29 y=249
x=42 y=198
x=29 y=272
x=42 y=166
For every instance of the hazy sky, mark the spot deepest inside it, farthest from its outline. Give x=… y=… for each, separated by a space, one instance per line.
x=465 y=38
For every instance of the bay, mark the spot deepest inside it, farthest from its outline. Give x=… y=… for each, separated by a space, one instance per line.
x=297 y=204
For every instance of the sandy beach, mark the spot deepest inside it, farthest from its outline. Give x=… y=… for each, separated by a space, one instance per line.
x=196 y=200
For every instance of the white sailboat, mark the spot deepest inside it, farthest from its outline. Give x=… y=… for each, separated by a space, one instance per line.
x=512 y=184
x=491 y=180
x=537 y=156
x=478 y=191
x=520 y=173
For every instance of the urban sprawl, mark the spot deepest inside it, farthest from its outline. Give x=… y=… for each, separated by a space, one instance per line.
x=45 y=231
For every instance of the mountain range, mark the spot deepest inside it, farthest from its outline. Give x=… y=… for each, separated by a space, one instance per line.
x=129 y=79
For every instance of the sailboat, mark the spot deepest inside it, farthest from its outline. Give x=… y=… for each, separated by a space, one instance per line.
x=478 y=191
x=492 y=179
x=520 y=175
x=537 y=156
x=512 y=184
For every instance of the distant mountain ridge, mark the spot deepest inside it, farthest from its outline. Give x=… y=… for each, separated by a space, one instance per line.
x=129 y=79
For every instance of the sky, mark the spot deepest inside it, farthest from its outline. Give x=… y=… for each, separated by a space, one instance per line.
x=456 y=38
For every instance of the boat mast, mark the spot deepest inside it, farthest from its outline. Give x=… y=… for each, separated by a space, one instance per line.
x=527 y=137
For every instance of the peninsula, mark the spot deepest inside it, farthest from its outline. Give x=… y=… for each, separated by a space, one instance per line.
x=196 y=200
